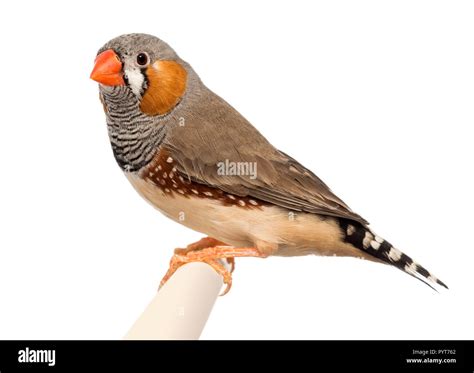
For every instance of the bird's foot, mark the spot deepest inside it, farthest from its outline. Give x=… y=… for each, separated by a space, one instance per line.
x=203 y=243
x=211 y=256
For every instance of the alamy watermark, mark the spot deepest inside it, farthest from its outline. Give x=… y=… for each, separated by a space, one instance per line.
x=28 y=355
x=230 y=168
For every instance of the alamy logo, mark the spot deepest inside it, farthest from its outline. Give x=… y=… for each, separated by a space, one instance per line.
x=37 y=356
x=229 y=168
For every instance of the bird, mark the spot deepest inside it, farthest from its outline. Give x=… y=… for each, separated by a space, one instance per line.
x=198 y=161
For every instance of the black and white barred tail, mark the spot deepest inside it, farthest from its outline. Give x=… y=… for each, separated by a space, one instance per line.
x=364 y=239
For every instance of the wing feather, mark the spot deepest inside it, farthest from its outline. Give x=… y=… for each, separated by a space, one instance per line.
x=215 y=132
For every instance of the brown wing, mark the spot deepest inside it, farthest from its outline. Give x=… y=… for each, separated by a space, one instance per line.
x=216 y=134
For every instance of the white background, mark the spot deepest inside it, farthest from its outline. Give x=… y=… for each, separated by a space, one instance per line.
x=376 y=97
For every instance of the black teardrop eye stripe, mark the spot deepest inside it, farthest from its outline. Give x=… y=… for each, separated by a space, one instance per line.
x=120 y=56
x=145 y=78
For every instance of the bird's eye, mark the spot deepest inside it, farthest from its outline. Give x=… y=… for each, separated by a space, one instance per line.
x=142 y=59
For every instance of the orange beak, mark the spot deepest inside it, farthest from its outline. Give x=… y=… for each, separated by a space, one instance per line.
x=108 y=69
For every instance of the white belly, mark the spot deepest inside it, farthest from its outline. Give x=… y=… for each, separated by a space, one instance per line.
x=272 y=229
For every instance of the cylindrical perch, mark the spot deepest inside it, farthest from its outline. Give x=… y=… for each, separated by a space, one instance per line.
x=181 y=307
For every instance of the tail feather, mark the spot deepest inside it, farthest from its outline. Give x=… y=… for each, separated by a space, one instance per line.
x=364 y=239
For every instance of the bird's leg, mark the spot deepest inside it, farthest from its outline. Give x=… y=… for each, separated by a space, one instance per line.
x=202 y=244
x=211 y=256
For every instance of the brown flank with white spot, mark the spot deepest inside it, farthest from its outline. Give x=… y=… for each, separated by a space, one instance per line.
x=163 y=173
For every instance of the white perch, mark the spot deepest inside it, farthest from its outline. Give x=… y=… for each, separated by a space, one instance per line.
x=181 y=307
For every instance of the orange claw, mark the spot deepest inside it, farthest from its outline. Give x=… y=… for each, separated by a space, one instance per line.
x=204 y=243
x=211 y=256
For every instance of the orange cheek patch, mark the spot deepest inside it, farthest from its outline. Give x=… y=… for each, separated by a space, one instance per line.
x=166 y=86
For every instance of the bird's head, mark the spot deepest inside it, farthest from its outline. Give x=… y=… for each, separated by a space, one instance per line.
x=145 y=66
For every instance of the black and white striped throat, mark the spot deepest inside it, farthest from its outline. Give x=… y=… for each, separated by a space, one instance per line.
x=134 y=136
